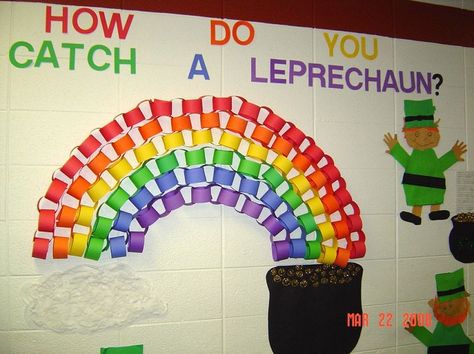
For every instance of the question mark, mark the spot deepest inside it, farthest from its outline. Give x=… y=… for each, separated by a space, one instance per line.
x=438 y=84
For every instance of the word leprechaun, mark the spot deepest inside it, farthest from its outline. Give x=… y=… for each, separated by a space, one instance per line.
x=450 y=308
x=423 y=181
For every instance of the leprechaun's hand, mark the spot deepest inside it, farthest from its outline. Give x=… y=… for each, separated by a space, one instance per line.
x=390 y=141
x=409 y=329
x=459 y=149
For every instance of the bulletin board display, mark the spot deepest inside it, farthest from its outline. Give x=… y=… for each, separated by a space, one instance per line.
x=67 y=72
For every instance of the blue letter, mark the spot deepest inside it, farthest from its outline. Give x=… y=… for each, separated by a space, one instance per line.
x=198 y=59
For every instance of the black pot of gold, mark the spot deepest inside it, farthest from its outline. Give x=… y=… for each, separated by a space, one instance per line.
x=311 y=306
x=461 y=237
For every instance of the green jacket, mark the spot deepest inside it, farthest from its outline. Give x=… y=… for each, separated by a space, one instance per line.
x=442 y=336
x=423 y=181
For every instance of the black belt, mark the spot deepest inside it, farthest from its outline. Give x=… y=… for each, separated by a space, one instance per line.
x=449 y=349
x=424 y=181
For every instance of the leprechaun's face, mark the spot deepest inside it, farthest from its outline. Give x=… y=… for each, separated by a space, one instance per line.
x=450 y=312
x=422 y=138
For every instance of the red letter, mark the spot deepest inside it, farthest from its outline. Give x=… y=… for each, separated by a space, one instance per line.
x=75 y=19
x=50 y=18
x=214 y=40
x=115 y=20
x=251 y=32
x=365 y=320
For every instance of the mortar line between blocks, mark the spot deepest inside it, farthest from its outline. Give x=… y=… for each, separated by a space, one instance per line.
x=397 y=249
x=7 y=171
x=467 y=160
x=7 y=147
x=223 y=329
x=466 y=123
x=117 y=109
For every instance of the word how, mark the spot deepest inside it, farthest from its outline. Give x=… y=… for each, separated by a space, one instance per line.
x=85 y=21
x=99 y=57
x=239 y=38
x=282 y=71
x=349 y=46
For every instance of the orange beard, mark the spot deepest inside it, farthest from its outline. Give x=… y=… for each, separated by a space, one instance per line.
x=452 y=312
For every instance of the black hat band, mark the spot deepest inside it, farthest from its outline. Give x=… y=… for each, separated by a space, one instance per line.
x=418 y=118
x=451 y=291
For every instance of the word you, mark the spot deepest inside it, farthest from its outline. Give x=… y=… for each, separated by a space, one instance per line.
x=85 y=21
x=282 y=71
x=349 y=46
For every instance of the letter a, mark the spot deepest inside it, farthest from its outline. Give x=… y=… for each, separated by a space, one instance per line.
x=198 y=60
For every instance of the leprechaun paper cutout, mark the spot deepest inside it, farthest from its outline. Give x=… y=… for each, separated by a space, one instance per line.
x=423 y=181
x=450 y=308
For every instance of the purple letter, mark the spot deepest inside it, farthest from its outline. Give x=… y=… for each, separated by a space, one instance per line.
x=312 y=74
x=348 y=78
x=412 y=80
x=274 y=71
x=293 y=72
x=375 y=79
x=253 y=76
x=332 y=75
x=421 y=80
x=389 y=81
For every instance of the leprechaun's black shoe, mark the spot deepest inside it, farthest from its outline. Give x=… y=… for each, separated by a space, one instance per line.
x=410 y=217
x=439 y=215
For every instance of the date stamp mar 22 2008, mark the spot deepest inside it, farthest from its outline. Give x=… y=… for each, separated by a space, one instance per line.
x=385 y=319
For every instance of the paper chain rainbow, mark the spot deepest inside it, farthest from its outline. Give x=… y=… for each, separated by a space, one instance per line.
x=162 y=155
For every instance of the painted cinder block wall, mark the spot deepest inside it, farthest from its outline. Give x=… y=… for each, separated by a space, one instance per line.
x=208 y=263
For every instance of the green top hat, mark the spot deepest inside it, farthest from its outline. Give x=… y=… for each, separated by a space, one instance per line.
x=419 y=114
x=450 y=286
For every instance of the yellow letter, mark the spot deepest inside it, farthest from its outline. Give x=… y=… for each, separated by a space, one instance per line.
x=331 y=43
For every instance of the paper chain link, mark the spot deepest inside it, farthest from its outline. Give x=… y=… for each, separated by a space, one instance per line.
x=144 y=123
x=142 y=176
x=224 y=194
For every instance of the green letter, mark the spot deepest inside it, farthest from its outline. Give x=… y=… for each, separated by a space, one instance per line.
x=47 y=47
x=132 y=61
x=11 y=54
x=90 y=57
x=72 y=53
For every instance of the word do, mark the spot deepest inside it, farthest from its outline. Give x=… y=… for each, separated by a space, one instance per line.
x=236 y=34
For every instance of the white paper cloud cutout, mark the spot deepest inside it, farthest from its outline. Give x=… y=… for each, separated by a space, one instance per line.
x=86 y=299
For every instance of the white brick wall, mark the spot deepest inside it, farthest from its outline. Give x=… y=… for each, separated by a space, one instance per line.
x=209 y=263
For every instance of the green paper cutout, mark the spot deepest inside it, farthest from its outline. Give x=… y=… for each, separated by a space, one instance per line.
x=419 y=108
x=131 y=349
x=450 y=308
x=423 y=182
x=450 y=286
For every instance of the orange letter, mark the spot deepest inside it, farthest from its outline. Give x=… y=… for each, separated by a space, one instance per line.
x=251 y=32
x=225 y=26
